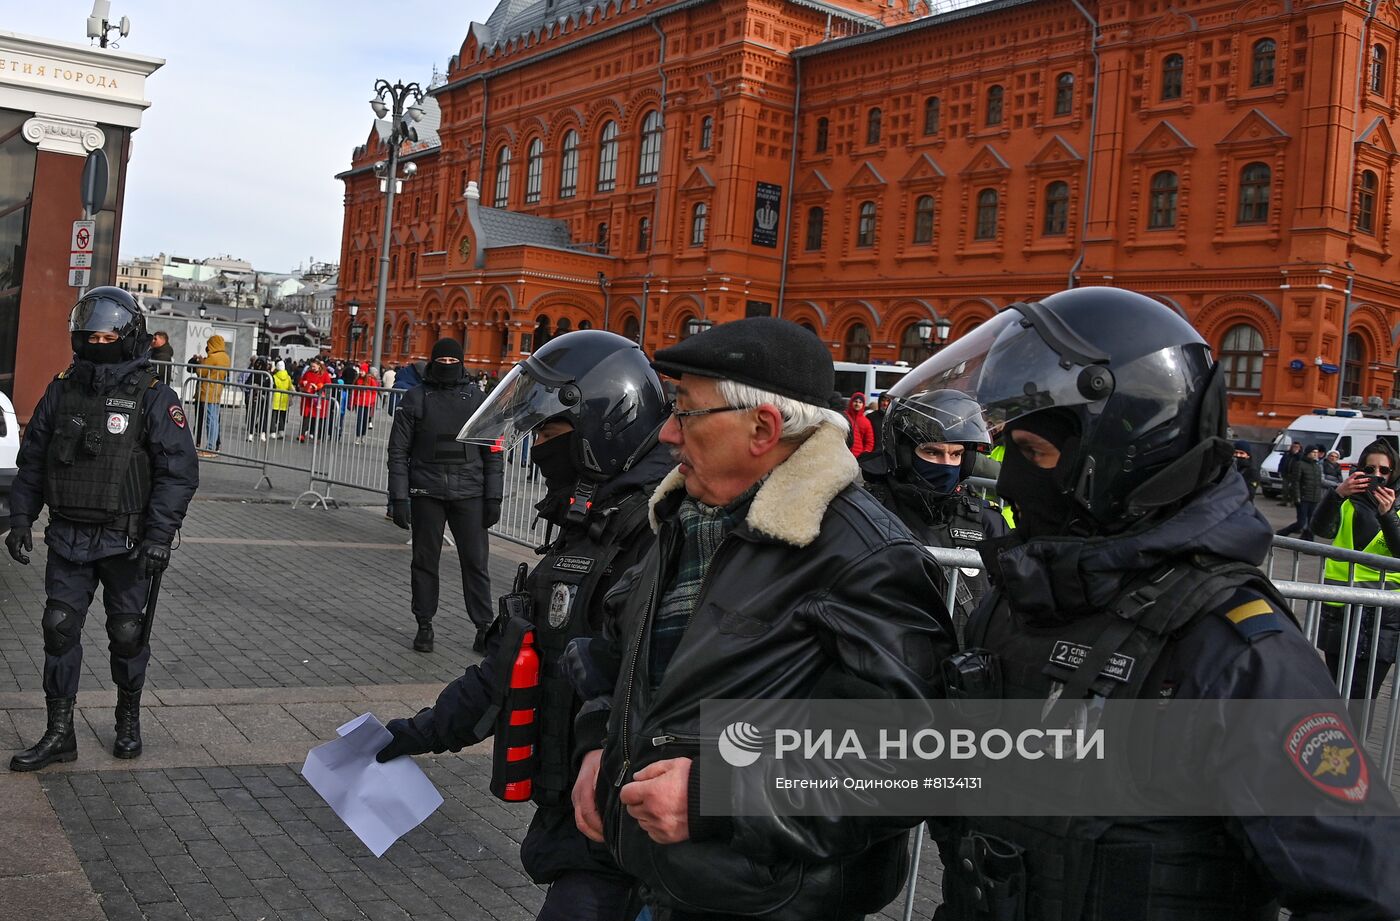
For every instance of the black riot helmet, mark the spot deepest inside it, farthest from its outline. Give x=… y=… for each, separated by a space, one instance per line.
x=932 y=416
x=1133 y=380
x=598 y=381
x=109 y=310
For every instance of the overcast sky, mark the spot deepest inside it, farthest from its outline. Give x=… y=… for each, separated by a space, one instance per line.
x=258 y=106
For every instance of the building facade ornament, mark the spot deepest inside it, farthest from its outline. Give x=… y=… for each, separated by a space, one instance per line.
x=57 y=134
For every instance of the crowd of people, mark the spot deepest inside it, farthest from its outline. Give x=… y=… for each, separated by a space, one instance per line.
x=733 y=532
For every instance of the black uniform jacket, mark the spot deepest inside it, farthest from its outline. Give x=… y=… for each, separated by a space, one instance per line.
x=174 y=468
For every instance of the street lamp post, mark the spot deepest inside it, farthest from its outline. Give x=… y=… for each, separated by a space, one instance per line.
x=267 y=331
x=354 y=308
x=392 y=98
x=696 y=325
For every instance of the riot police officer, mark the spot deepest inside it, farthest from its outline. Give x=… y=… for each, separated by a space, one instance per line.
x=929 y=446
x=435 y=480
x=1125 y=495
x=109 y=451
x=594 y=406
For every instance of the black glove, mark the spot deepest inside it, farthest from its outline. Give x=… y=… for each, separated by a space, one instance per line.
x=490 y=512
x=398 y=510
x=152 y=556
x=406 y=741
x=18 y=541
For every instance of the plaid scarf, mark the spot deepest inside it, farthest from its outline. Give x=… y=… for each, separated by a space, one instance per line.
x=703 y=528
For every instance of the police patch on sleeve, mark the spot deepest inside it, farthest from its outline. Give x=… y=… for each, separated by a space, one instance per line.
x=177 y=415
x=1323 y=749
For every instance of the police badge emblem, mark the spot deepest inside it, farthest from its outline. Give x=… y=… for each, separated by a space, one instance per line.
x=561 y=602
x=117 y=422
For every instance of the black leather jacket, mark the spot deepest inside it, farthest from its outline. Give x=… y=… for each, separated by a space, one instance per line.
x=818 y=586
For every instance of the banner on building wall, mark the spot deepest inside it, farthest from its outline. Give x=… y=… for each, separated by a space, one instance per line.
x=766 y=199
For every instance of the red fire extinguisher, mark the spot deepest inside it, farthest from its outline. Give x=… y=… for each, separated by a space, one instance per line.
x=524 y=675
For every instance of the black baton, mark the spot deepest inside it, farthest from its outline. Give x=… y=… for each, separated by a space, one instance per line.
x=149 y=615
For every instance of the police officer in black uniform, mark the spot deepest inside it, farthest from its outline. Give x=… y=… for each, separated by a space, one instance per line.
x=108 y=450
x=435 y=480
x=594 y=406
x=929 y=446
x=1136 y=542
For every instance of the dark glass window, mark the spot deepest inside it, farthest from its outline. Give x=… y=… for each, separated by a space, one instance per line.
x=995 y=95
x=1173 y=67
x=932 y=115
x=986 y=215
x=1354 y=364
x=699 y=218
x=534 y=171
x=568 y=166
x=1254 y=194
x=707 y=132
x=823 y=126
x=607 y=158
x=502 y=196
x=1366 y=202
x=1064 y=94
x=923 y=219
x=1378 y=69
x=858 y=343
x=816 y=224
x=649 y=159
x=865 y=226
x=1242 y=358
x=1056 y=209
x=1261 y=68
x=600 y=241
x=872 y=126
x=1161 y=209
x=643 y=234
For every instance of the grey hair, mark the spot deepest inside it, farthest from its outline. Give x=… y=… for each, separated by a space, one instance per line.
x=799 y=419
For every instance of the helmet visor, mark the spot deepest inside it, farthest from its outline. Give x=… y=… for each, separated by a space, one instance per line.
x=100 y=315
x=517 y=406
x=945 y=421
x=1007 y=367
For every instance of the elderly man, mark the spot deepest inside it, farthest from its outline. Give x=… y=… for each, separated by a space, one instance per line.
x=775 y=576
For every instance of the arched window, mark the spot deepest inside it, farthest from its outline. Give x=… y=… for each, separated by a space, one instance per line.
x=809 y=327
x=1173 y=68
x=685 y=325
x=1161 y=208
x=1242 y=358
x=1056 y=209
x=600 y=240
x=707 y=132
x=607 y=158
x=643 y=234
x=872 y=126
x=1254 y=194
x=816 y=225
x=1366 y=202
x=994 y=99
x=394 y=267
x=823 y=127
x=1353 y=365
x=933 y=114
x=912 y=348
x=858 y=343
x=585 y=324
x=502 y=197
x=407 y=345
x=699 y=217
x=534 y=171
x=923 y=219
x=1261 y=68
x=986 y=215
x=412 y=265
x=632 y=329
x=568 y=166
x=865 y=225
x=1378 y=68
x=1064 y=94
x=649 y=159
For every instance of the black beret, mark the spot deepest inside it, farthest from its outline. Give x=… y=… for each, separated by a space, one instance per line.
x=764 y=352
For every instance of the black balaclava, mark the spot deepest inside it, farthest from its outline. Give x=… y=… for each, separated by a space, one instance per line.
x=941 y=478
x=1038 y=495
x=446 y=374
x=101 y=353
x=555 y=461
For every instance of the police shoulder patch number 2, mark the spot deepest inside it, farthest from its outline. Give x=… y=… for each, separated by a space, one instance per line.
x=177 y=415
x=1325 y=752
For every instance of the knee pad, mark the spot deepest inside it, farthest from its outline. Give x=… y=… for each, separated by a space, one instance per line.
x=124 y=630
x=63 y=628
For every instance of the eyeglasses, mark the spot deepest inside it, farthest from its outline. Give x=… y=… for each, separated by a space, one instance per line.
x=683 y=414
x=1376 y=468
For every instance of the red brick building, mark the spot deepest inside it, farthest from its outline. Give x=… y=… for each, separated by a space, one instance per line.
x=646 y=164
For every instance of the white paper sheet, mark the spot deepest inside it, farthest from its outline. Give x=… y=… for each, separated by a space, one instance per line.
x=380 y=803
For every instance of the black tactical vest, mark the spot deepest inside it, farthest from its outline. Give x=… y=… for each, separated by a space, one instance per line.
x=563 y=588
x=97 y=470
x=1088 y=868
x=962 y=528
x=445 y=411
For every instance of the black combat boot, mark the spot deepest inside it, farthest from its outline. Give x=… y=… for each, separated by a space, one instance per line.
x=423 y=640
x=128 y=743
x=58 y=744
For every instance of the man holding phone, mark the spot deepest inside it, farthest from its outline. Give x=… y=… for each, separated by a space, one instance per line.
x=1360 y=514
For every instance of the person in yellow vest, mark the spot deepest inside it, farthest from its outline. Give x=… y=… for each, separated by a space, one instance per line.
x=1360 y=514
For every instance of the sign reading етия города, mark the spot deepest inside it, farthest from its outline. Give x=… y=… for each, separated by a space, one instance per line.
x=45 y=73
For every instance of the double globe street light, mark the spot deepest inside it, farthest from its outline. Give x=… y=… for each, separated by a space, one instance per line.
x=403 y=102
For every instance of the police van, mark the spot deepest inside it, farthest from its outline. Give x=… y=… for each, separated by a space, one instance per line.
x=9 y=452
x=871 y=380
x=1346 y=431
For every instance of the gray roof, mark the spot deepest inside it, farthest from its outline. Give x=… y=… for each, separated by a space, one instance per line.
x=509 y=228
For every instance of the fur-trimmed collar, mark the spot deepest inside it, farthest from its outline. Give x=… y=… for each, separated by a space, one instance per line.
x=791 y=503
